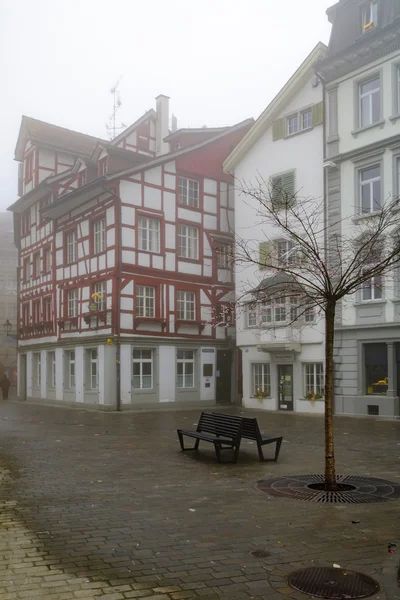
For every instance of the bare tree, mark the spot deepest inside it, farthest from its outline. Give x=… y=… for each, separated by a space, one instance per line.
x=323 y=263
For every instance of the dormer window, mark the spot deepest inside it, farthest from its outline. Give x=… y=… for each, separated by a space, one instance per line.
x=103 y=166
x=369 y=15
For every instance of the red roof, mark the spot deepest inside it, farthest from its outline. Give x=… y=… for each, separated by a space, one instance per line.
x=61 y=138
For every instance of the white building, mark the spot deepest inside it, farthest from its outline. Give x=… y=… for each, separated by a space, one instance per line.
x=281 y=363
x=124 y=264
x=362 y=80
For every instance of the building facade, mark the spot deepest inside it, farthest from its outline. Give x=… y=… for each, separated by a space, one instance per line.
x=283 y=359
x=8 y=298
x=362 y=82
x=124 y=258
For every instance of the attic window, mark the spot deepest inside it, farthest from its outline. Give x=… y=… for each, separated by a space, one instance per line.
x=369 y=15
x=103 y=166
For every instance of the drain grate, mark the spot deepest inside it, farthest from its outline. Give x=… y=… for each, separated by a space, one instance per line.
x=259 y=553
x=352 y=489
x=325 y=582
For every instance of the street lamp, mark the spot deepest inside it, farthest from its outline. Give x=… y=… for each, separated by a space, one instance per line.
x=7 y=330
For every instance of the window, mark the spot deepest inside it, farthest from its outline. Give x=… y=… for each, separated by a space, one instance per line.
x=99 y=236
x=47 y=260
x=306 y=119
x=72 y=307
x=224 y=256
x=309 y=314
x=82 y=178
x=36 y=311
x=188 y=242
x=188 y=192
x=370 y=189
x=37 y=366
x=36 y=265
x=372 y=289
x=101 y=299
x=103 y=166
x=47 y=309
x=251 y=316
x=275 y=311
x=93 y=368
x=285 y=253
x=25 y=314
x=282 y=189
x=143 y=369
x=292 y=124
x=71 y=247
x=186 y=306
x=149 y=234
x=261 y=379
x=27 y=269
x=185 y=369
x=369 y=15
x=376 y=369
x=313 y=381
x=71 y=368
x=224 y=314
x=41 y=206
x=369 y=102
x=51 y=365
x=145 y=301
x=29 y=167
x=26 y=221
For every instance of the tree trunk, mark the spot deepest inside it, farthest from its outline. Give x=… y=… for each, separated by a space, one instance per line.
x=330 y=472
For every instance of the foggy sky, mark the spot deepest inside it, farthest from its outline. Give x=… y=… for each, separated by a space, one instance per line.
x=220 y=61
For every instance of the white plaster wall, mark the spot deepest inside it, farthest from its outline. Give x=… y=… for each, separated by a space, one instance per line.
x=43 y=379
x=153 y=176
x=130 y=192
x=166 y=375
x=126 y=374
x=107 y=375
x=152 y=197
x=80 y=374
x=29 y=374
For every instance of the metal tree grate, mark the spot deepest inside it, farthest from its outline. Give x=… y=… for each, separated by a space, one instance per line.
x=325 y=582
x=354 y=489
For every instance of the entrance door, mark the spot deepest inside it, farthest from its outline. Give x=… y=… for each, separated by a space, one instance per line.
x=224 y=374
x=285 y=387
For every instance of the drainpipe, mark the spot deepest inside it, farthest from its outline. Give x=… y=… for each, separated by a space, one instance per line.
x=325 y=179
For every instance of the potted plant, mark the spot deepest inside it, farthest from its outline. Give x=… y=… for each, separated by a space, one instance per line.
x=313 y=396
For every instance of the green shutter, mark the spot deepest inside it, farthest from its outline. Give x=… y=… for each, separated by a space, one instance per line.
x=318 y=113
x=264 y=251
x=288 y=183
x=278 y=129
x=282 y=190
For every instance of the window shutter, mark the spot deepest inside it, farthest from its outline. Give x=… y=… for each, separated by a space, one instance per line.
x=318 y=113
x=288 y=183
x=265 y=252
x=278 y=129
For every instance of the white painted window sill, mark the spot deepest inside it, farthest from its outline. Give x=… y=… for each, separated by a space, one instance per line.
x=363 y=216
x=394 y=118
x=309 y=400
x=368 y=302
x=356 y=132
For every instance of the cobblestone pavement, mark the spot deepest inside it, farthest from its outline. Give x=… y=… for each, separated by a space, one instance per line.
x=106 y=506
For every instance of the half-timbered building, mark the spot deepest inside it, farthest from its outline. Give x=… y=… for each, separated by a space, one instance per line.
x=125 y=276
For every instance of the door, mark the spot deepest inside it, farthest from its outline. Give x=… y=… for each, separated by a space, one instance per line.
x=285 y=387
x=224 y=375
x=23 y=380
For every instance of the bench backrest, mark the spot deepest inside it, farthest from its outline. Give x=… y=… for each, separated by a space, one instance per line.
x=224 y=425
x=250 y=428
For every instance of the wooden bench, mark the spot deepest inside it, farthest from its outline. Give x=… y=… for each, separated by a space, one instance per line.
x=251 y=431
x=224 y=431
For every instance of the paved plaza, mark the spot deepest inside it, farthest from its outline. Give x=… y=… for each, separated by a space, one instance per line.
x=98 y=505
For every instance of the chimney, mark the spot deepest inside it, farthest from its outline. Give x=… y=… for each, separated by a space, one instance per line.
x=174 y=124
x=162 y=117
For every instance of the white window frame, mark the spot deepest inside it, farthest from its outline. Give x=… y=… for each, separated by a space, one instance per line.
x=71 y=368
x=369 y=14
x=188 y=242
x=370 y=93
x=375 y=285
x=261 y=379
x=47 y=260
x=186 y=305
x=145 y=301
x=100 y=287
x=149 y=234
x=184 y=360
x=285 y=251
x=313 y=378
x=251 y=315
x=93 y=359
x=38 y=368
x=224 y=256
x=51 y=365
x=295 y=121
x=138 y=358
x=309 y=121
x=292 y=124
x=99 y=236
x=370 y=184
x=71 y=242
x=72 y=303
x=188 y=192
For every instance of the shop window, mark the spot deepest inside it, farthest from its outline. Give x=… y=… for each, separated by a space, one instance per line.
x=376 y=369
x=261 y=379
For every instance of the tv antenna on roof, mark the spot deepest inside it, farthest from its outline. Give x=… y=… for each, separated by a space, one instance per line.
x=112 y=128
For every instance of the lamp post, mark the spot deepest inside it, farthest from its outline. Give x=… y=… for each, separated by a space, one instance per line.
x=7 y=330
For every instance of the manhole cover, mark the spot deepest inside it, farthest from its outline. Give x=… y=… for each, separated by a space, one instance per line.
x=259 y=553
x=325 y=582
x=352 y=489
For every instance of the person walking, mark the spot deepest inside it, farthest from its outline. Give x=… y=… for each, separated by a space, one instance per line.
x=5 y=386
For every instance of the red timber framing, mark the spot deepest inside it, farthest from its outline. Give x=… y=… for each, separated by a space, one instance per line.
x=123 y=266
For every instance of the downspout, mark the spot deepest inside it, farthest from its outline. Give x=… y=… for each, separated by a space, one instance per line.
x=325 y=178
